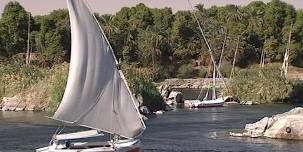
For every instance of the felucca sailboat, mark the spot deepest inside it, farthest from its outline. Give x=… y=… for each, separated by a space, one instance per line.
x=206 y=102
x=97 y=95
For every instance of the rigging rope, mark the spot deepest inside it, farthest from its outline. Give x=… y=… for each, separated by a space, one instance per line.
x=207 y=44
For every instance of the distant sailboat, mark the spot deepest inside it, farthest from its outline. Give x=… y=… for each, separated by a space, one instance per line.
x=206 y=102
x=214 y=102
x=97 y=95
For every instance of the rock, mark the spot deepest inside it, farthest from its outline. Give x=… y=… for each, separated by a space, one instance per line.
x=283 y=126
x=287 y=125
x=144 y=117
x=249 y=103
x=144 y=110
x=30 y=108
x=33 y=107
x=20 y=109
x=160 y=112
x=139 y=100
x=164 y=90
x=176 y=96
x=236 y=134
x=256 y=129
x=5 y=108
x=246 y=103
x=11 y=103
x=170 y=102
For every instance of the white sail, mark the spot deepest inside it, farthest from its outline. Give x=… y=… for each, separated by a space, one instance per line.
x=96 y=95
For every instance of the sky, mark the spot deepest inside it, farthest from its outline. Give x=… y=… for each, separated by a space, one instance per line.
x=42 y=7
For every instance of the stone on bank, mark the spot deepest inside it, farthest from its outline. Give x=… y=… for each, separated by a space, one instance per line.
x=288 y=125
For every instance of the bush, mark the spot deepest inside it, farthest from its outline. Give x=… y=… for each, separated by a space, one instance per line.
x=262 y=86
x=296 y=95
x=185 y=71
x=202 y=73
x=16 y=77
x=140 y=82
x=57 y=86
x=151 y=97
x=226 y=69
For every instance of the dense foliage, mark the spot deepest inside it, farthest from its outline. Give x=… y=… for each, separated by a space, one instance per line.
x=57 y=83
x=15 y=78
x=158 y=38
x=156 y=43
x=140 y=82
x=266 y=85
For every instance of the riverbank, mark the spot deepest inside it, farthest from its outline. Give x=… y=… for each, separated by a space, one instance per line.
x=36 y=88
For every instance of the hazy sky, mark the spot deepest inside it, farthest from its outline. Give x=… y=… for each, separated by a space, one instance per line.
x=40 y=7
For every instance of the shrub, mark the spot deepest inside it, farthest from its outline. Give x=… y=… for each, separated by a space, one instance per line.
x=226 y=69
x=202 y=73
x=151 y=97
x=57 y=85
x=141 y=83
x=16 y=77
x=262 y=86
x=296 y=95
x=185 y=71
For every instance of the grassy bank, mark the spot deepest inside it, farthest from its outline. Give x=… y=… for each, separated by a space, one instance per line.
x=45 y=86
x=42 y=87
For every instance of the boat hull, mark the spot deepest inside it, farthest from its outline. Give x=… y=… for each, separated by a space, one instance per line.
x=204 y=104
x=119 y=146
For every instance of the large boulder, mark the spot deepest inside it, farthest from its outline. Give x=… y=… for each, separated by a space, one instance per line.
x=256 y=129
x=288 y=125
x=164 y=90
x=176 y=97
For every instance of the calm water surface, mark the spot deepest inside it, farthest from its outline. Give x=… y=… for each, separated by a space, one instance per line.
x=185 y=130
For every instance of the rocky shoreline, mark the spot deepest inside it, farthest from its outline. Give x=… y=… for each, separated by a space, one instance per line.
x=288 y=125
x=197 y=83
x=17 y=104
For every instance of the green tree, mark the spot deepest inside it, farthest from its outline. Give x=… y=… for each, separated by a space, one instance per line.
x=13 y=27
x=163 y=19
x=140 y=17
x=186 y=43
x=54 y=37
x=298 y=37
x=278 y=18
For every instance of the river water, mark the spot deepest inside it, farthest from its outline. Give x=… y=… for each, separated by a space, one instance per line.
x=185 y=130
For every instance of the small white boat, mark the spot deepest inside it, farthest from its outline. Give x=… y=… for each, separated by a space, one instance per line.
x=97 y=95
x=204 y=104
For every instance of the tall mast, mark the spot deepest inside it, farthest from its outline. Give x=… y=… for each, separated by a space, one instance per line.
x=27 y=60
x=262 y=59
x=214 y=84
x=286 y=55
x=208 y=46
x=222 y=50
x=234 y=61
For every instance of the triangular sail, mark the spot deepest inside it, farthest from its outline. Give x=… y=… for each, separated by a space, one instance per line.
x=96 y=95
